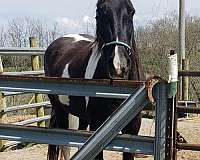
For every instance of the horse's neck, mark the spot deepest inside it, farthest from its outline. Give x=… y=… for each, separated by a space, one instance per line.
x=93 y=61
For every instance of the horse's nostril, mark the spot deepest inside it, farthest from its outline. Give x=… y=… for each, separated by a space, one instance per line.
x=123 y=69
x=128 y=62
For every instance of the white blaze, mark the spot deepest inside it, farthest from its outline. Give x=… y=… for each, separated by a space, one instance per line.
x=119 y=61
x=116 y=60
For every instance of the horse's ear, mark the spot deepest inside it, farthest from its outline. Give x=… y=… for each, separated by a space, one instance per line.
x=97 y=14
x=100 y=2
x=133 y=11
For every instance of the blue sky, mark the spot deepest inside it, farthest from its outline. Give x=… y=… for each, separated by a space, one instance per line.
x=75 y=13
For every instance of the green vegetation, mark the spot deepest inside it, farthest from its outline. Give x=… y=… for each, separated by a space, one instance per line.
x=154 y=41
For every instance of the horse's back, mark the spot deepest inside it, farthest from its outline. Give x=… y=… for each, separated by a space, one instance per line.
x=71 y=48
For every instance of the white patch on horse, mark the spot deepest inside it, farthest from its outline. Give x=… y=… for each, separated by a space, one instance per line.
x=119 y=61
x=63 y=98
x=116 y=60
x=78 y=37
x=73 y=123
x=91 y=67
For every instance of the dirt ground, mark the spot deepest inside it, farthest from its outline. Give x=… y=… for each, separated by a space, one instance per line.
x=189 y=128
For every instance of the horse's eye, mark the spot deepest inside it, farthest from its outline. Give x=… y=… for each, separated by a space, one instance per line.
x=131 y=12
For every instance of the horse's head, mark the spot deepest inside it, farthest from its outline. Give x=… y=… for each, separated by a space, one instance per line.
x=115 y=34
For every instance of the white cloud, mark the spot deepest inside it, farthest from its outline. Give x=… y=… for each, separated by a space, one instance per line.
x=67 y=22
x=71 y=25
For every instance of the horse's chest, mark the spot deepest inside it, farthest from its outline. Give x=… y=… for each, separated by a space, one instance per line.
x=77 y=70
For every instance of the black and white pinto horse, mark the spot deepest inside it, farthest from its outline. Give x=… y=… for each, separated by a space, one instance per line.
x=111 y=55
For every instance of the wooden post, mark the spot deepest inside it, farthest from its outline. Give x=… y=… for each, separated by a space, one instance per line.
x=182 y=55
x=1 y=66
x=185 y=83
x=2 y=116
x=36 y=66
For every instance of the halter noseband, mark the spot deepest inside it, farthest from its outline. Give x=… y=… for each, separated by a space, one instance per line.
x=120 y=43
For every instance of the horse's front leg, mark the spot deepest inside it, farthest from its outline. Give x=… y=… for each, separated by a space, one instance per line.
x=59 y=119
x=132 y=128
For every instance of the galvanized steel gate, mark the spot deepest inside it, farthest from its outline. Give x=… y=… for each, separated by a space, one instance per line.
x=136 y=95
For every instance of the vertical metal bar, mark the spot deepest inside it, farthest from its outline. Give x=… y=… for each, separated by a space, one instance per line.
x=171 y=129
x=175 y=129
x=161 y=94
x=113 y=125
x=35 y=67
x=170 y=135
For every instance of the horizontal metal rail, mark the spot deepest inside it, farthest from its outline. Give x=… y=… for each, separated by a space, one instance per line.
x=26 y=106
x=24 y=73
x=181 y=109
x=188 y=103
x=6 y=94
x=32 y=120
x=20 y=51
x=186 y=146
x=122 y=143
x=189 y=73
x=62 y=86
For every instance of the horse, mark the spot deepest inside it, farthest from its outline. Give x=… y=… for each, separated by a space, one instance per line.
x=112 y=54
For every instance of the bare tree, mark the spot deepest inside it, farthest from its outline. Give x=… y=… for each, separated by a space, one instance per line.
x=3 y=36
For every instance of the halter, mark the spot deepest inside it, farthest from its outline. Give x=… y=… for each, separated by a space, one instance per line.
x=120 y=43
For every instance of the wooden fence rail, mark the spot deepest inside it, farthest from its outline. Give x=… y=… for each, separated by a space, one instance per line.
x=20 y=51
x=34 y=52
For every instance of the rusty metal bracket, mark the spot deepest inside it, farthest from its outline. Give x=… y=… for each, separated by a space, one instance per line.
x=150 y=83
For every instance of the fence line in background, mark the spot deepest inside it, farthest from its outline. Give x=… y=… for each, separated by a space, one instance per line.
x=35 y=61
x=20 y=51
x=34 y=51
